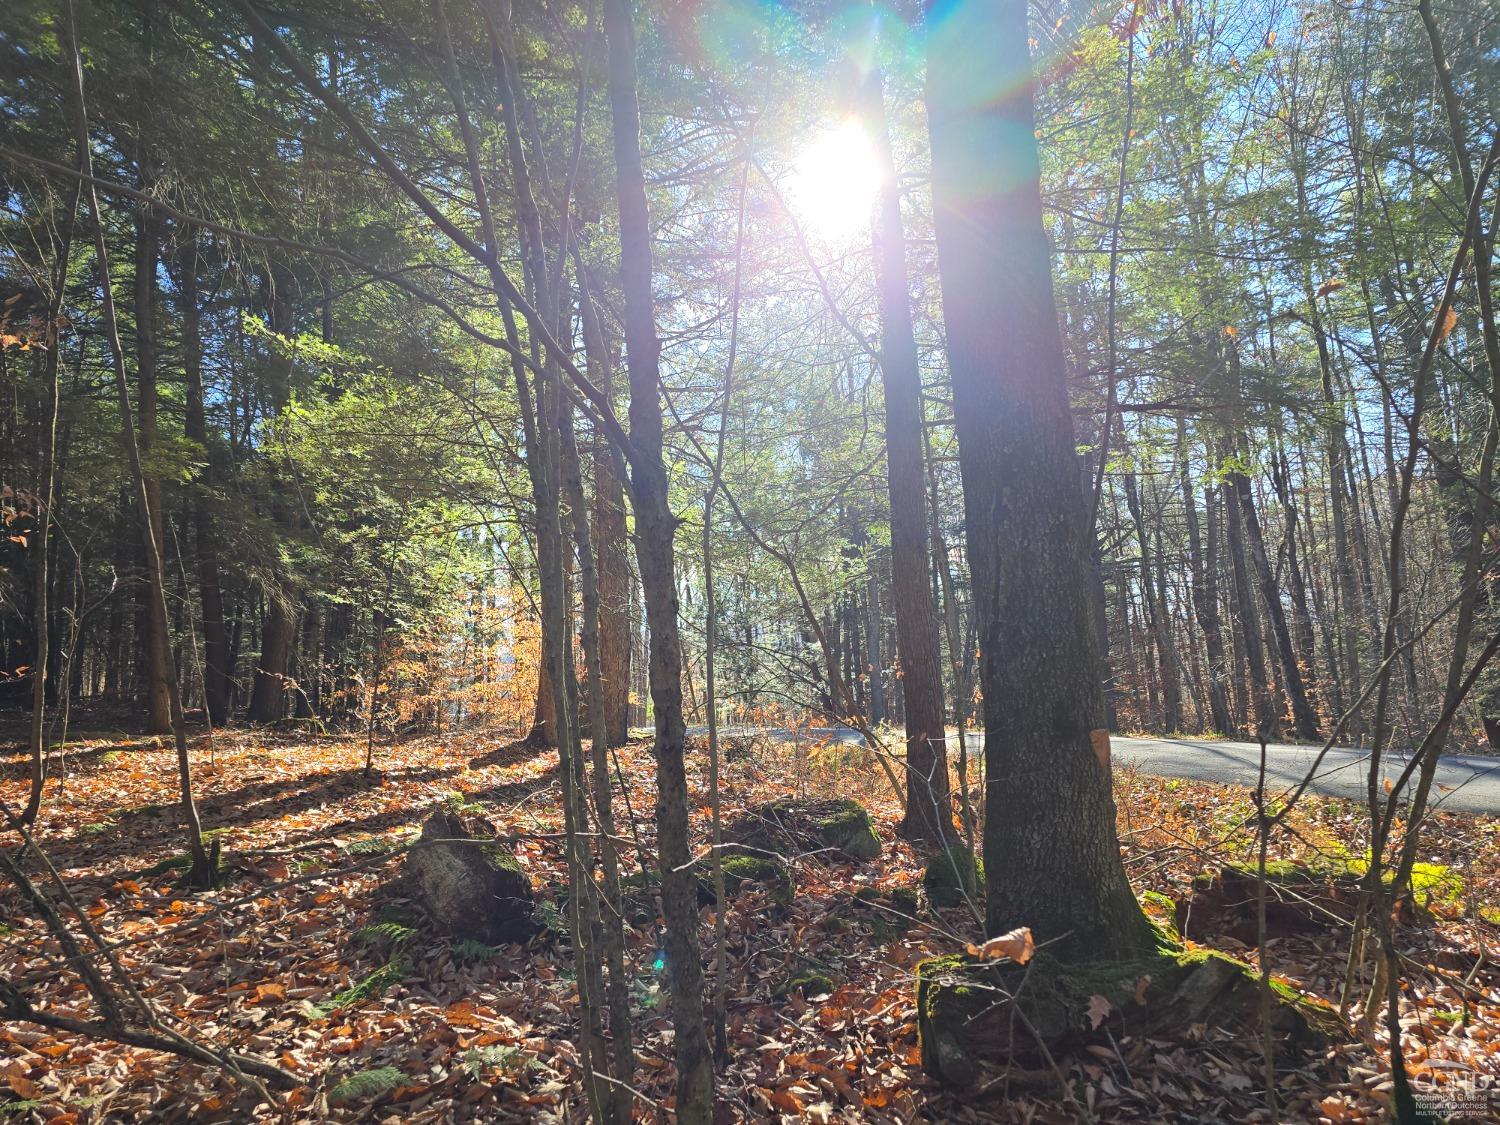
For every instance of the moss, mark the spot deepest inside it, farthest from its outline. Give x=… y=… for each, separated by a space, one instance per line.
x=904 y=899
x=741 y=869
x=502 y=857
x=808 y=982
x=846 y=825
x=953 y=877
x=1161 y=912
x=866 y=894
x=967 y=1010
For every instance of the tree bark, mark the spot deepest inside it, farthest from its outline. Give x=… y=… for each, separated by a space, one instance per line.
x=609 y=535
x=1052 y=858
x=929 y=811
x=655 y=531
x=1204 y=576
x=1259 y=688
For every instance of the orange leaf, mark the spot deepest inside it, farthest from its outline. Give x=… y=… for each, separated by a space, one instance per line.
x=1140 y=989
x=271 y=990
x=784 y=1100
x=1016 y=945
x=25 y=1088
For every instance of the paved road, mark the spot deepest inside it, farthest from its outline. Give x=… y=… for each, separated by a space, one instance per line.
x=1465 y=783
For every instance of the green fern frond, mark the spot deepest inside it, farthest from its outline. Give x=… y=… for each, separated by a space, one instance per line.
x=367 y=1084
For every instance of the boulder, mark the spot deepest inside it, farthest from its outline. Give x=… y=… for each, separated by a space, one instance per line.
x=740 y=870
x=953 y=877
x=978 y=1018
x=473 y=891
x=790 y=827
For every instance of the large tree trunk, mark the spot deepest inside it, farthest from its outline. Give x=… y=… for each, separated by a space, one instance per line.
x=929 y=813
x=210 y=592
x=655 y=532
x=1052 y=858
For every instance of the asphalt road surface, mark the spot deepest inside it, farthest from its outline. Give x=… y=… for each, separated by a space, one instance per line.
x=1464 y=783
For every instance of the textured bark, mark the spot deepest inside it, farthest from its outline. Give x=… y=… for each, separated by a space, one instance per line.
x=1052 y=858
x=929 y=813
x=210 y=592
x=655 y=531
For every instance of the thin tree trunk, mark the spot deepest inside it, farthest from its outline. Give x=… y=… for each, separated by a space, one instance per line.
x=279 y=625
x=1258 y=690
x=210 y=592
x=609 y=533
x=147 y=235
x=655 y=532
x=201 y=873
x=929 y=806
x=1204 y=579
x=1304 y=719
x=46 y=493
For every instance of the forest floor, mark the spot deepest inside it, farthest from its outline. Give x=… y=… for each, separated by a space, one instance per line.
x=282 y=960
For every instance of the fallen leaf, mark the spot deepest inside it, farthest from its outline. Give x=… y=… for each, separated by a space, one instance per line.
x=1099 y=1008
x=1016 y=945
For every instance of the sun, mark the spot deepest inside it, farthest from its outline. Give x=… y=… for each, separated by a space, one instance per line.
x=834 y=181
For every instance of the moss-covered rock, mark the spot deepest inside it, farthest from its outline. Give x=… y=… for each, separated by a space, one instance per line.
x=470 y=885
x=788 y=828
x=953 y=877
x=740 y=870
x=977 y=1017
x=809 y=982
x=769 y=873
x=904 y=900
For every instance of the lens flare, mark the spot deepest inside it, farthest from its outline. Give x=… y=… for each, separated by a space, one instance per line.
x=833 y=183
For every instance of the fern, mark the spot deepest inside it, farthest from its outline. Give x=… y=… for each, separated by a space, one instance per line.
x=373 y=845
x=498 y=1056
x=21 y=1106
x=391 y=933
x=373 y=985
x=366 y=1084
x=471 y=950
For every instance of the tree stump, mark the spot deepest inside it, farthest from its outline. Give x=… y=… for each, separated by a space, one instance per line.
x=470 y=886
